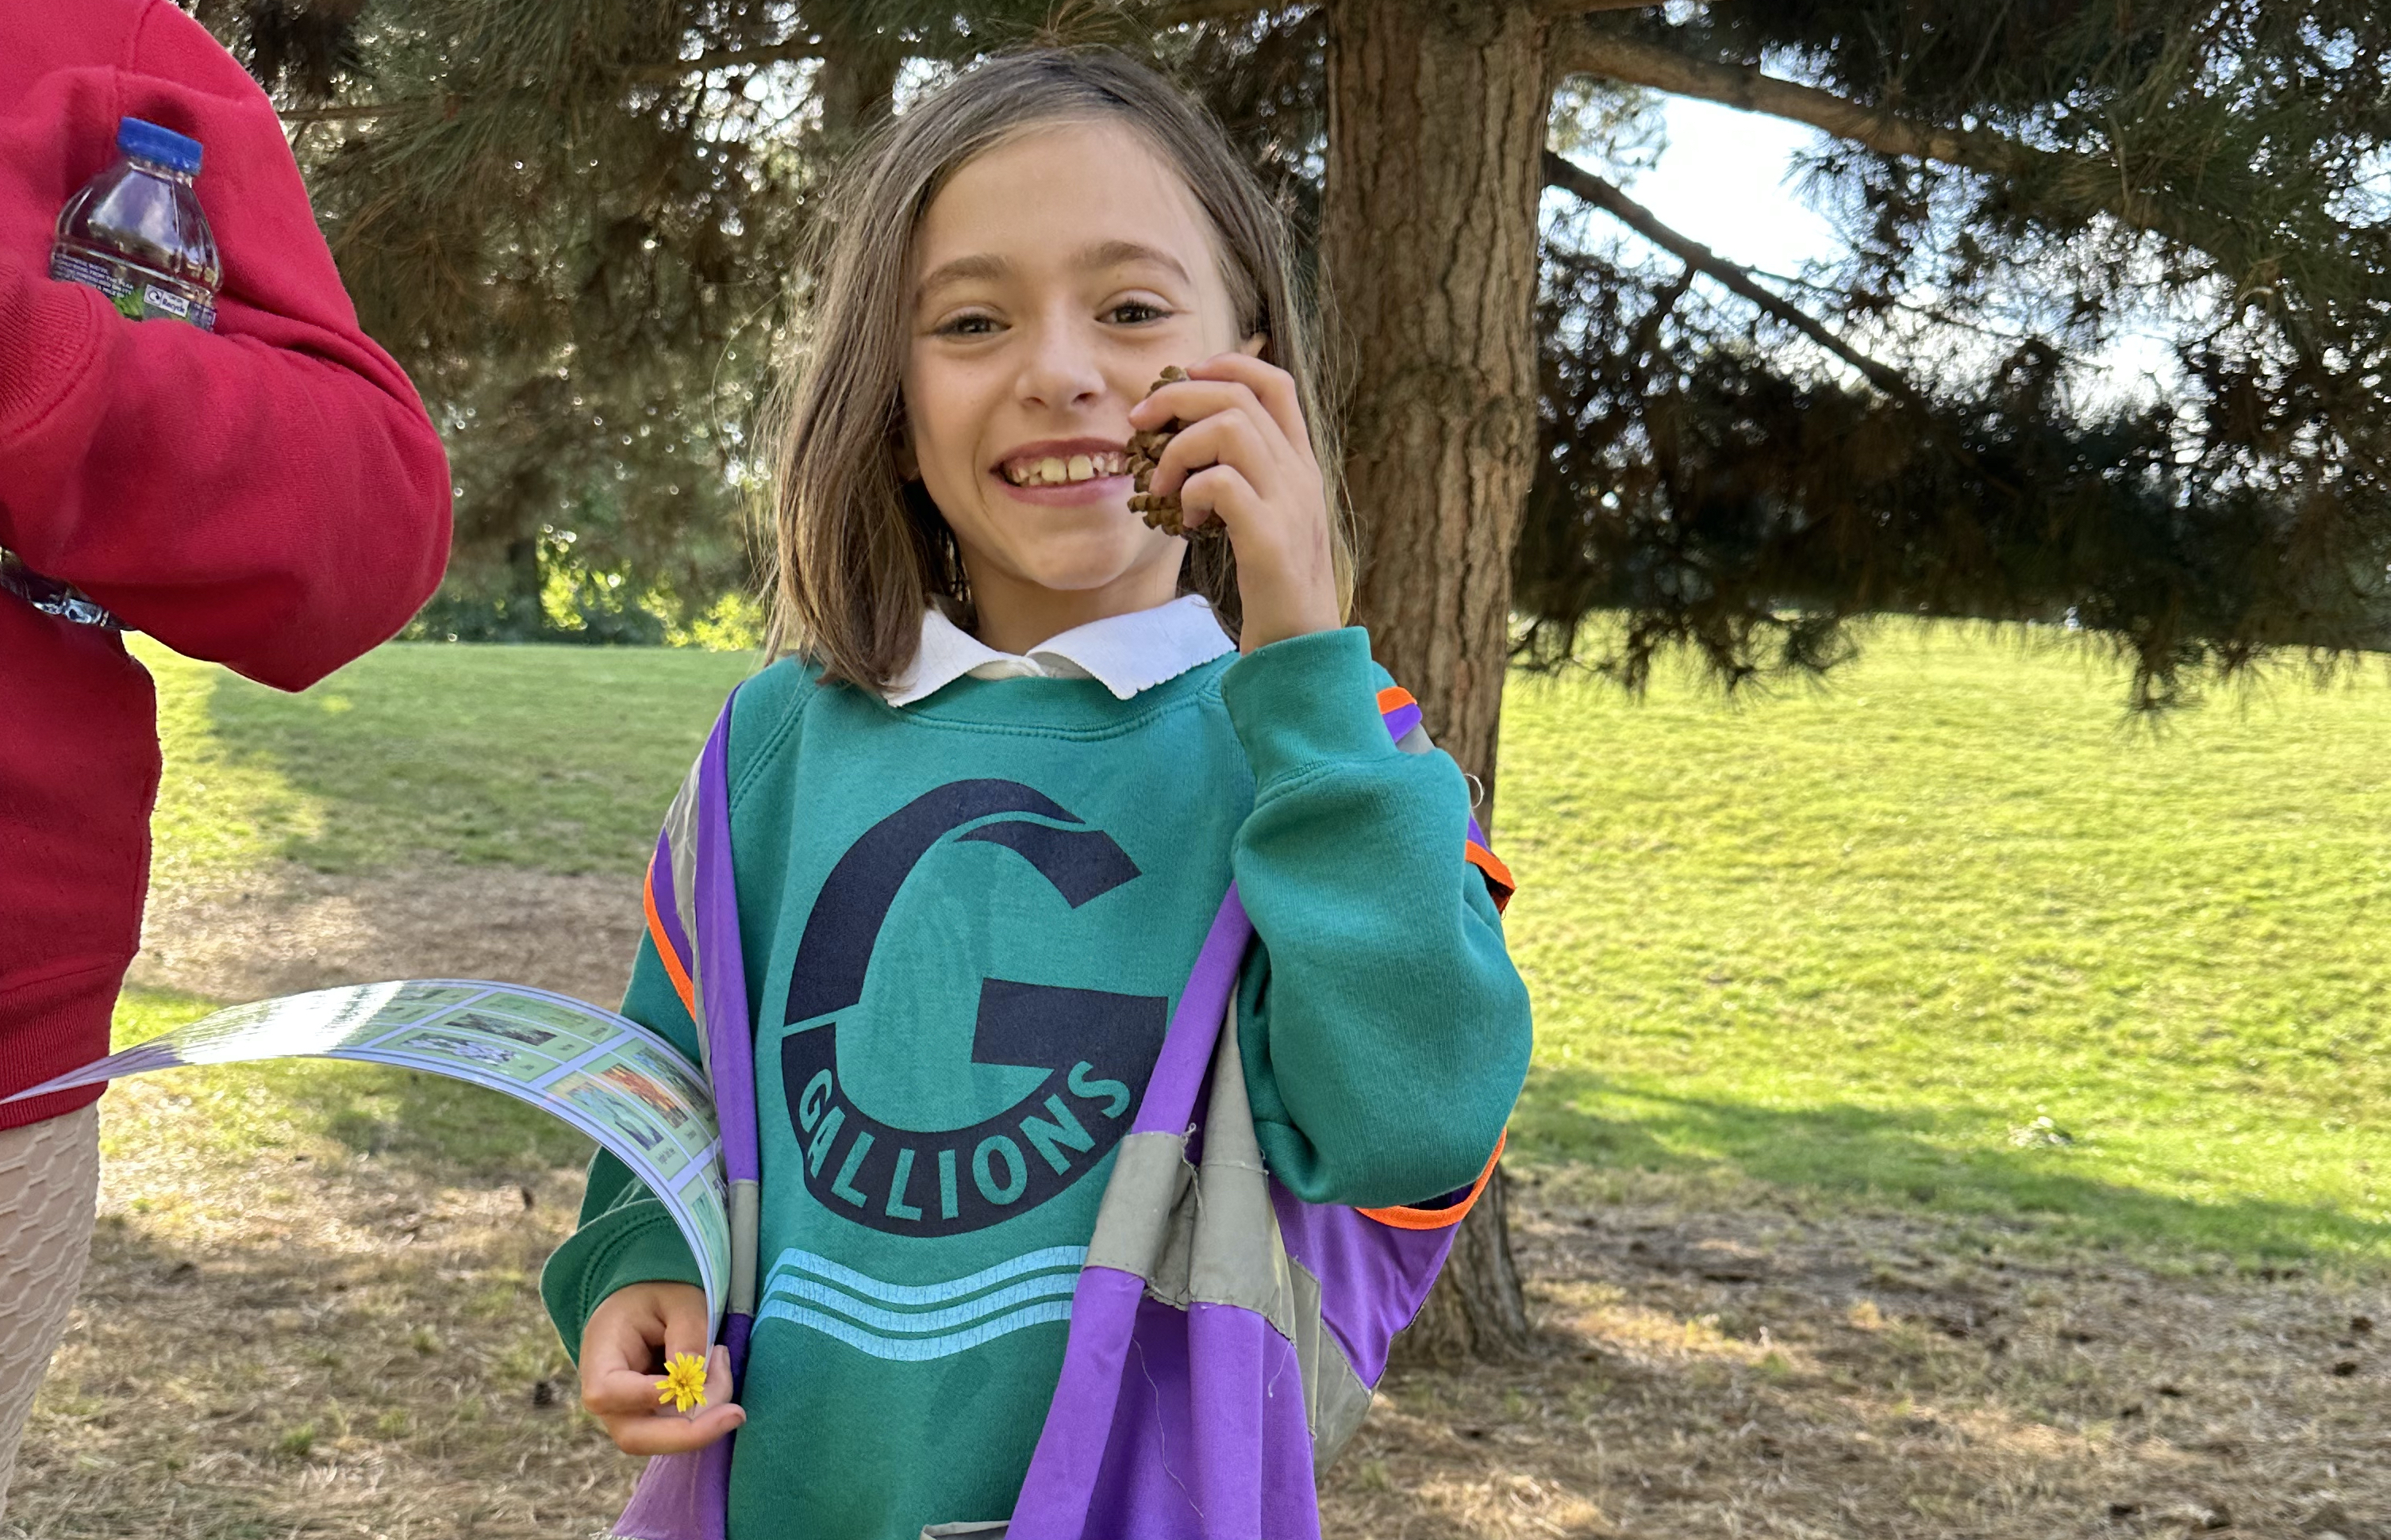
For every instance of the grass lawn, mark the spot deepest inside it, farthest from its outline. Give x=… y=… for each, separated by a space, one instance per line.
x=1859 y=939
x=1867 y=938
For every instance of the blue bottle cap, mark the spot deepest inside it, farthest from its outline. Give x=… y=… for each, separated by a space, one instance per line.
x=150 y=142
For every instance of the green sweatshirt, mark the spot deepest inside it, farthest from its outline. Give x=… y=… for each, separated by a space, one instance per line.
x=965 y=923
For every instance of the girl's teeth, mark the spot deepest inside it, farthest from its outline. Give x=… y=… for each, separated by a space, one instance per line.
x=1055 y=471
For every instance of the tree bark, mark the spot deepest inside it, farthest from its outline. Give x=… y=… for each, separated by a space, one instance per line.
x=1437 y=113
x=857 y=85
x=1476 y=1310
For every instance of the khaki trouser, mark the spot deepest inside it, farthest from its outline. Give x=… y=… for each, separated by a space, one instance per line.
x=49 y=1186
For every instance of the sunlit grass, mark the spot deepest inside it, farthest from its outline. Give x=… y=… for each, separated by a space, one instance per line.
x=1863 y=938
x=556 y=758
x=223 y=807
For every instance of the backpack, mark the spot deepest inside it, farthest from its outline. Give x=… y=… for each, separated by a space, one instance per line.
x=1248 y=1328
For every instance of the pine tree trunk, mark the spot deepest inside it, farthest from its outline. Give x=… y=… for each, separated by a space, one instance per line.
x=857 y=82
x=1437 y=113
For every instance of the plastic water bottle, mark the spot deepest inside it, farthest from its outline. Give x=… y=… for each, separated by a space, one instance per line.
x=135 y=232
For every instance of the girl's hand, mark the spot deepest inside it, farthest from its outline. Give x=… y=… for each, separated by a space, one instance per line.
x=1245 y=459
x=623 y=1352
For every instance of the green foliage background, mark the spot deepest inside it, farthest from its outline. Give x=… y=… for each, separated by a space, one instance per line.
x=583 y=225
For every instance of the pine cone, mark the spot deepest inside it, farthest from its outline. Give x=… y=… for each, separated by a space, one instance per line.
x=1145 y=453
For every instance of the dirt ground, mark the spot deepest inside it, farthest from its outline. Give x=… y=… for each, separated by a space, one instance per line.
x=319 y=1342
x=1751 y=1368
x=289 y=928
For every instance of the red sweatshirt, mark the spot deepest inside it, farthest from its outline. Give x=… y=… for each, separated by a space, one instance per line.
x=272 y=498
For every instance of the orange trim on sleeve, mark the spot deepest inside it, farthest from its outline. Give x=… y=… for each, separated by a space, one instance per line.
x=1394 y=698
x=675 y=969
x=1440 y=1219
x=1498 y=876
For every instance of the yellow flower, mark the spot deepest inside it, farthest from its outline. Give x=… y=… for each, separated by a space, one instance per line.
x=684 y=1382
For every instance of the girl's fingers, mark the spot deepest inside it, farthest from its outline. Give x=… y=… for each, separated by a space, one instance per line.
x=640 y=1422
x=1224 y=383
x=687 y=1325
x=1273 y=386
x=1195 y=401
x=615 y=1380
x=620 y=1393
x=674 y=1435
x=618 y=1385
x=616 y=1349
x=1219 y=492
x=1229 y=438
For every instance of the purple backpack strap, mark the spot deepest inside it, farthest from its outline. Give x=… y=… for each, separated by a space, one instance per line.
x=1149 y=1179
x=693 y=897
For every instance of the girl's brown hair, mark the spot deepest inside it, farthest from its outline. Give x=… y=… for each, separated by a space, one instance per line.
x=861 y=551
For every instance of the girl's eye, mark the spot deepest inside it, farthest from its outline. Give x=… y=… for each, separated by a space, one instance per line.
x=1136 y=313
x=968 y=326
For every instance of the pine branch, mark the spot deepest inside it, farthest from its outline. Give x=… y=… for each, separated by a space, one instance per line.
x=1614 y=55
x=341 y=114
x=728 y=59
x=1186 y=12
x=1563 y=9
x=679 y=68
x=1607 y=196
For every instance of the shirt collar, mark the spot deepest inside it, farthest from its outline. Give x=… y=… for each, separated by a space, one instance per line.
x=1126 y=654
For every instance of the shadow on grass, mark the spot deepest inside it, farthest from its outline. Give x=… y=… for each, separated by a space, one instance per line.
x=478 y=754
x=424 y=1121
x=1906 y=1156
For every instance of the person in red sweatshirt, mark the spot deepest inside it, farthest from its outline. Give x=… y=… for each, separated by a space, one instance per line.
x=272 y=498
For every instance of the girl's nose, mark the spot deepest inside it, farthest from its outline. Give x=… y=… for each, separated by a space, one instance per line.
x=1060 y=370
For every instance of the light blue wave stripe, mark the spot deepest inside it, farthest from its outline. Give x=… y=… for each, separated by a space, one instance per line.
x=794 y=1260
x=924 y=1320
x=915 y=1350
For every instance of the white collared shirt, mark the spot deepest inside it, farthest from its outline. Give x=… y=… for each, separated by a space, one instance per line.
x=1126 y=654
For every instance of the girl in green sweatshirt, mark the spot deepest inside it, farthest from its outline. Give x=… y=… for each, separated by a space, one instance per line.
x=986 y=805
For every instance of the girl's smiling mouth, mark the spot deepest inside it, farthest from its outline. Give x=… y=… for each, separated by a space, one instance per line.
x=1075 y=463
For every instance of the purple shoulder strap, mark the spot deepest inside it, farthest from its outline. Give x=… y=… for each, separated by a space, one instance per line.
x=687 y=1497
x=1064 y=1471
x=1225 y=1336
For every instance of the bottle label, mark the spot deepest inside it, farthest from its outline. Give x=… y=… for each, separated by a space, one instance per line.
x=135 y=293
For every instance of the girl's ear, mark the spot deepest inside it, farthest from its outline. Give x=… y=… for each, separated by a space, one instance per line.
x=1256 y=346
x=908 y=466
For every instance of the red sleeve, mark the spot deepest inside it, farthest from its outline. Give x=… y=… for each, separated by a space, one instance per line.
x=272 y=497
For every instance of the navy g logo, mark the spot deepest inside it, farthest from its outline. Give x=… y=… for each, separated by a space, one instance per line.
x=1097 y=1048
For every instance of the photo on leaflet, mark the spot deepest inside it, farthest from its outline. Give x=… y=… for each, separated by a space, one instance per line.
x=439 y=1042
x=632 y=1082
x=514 y=1031
x=605 y=1103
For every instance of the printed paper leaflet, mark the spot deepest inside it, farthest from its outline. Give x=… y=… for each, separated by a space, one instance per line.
x=612 y=1078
